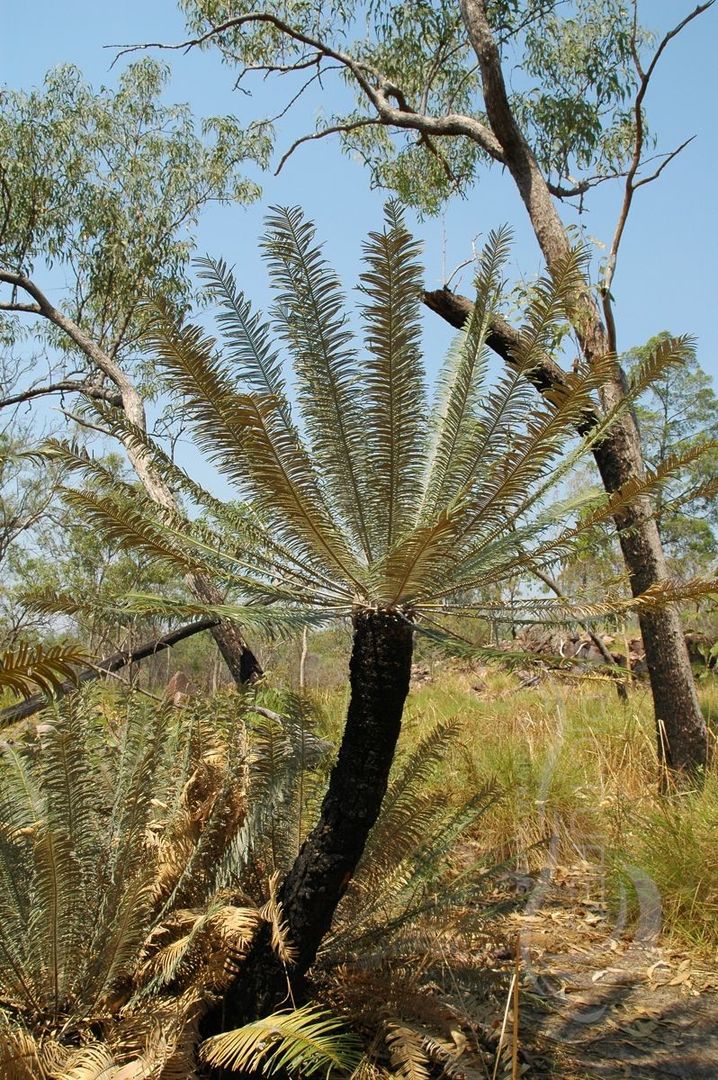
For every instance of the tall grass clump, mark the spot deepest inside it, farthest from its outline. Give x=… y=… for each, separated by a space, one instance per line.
x=675 y=843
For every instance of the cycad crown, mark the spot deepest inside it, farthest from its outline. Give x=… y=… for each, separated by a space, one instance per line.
x=356 y=492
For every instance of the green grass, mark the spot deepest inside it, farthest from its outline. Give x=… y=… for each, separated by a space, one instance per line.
x=579 y=776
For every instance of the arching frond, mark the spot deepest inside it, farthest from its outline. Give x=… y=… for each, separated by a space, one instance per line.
x=246 y=337
x=246 y=435
x=541 y=554
x=667 y=352
x=368 y=501
x=456 y=427
x=304 y=1041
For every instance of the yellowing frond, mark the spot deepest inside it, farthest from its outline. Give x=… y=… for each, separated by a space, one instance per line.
x=27 y=668
x=305 y=1041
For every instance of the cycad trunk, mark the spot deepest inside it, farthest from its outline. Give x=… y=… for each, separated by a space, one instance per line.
x=380 y=670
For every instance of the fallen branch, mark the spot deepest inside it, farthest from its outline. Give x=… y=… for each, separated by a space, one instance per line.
x=107 y=666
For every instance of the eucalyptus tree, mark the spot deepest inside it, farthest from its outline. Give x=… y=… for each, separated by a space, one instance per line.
x=362 y=501
x=99 y=196
x=432 y=108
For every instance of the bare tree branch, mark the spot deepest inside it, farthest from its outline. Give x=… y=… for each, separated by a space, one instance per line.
x=65 y=386
x=379 y=90
x=667 y=159
x=632 y=184
x=109 y=665
x=546 y=376
x=335 y=129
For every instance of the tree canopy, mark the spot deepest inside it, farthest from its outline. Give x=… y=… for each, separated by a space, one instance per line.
x=101 y=190
x=415 y=83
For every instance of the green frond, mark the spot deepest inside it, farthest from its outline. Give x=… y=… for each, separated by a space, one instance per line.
x=128 y=528
x=667 y=352
x=303 y=1041
x=277 y=622
x=395 y=414
x=27 y=668
x=493 y=496
x=114 y=957
x=247 y=437
x=455 y=423
x=549 y=306
x=15 y=973
x=56 y=895
x=247 y=340
x=78 y=459
x=285 y=779
x=242 y=522
x=398 y=830
x=248 y=346
x=309 y=314
x=500 y=491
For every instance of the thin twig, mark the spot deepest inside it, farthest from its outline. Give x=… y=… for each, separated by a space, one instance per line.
x=632 y=184
x=335 y=129
x=504 y=1022
x=515 y=1018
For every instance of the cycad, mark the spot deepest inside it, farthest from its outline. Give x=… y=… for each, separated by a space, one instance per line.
x=361 y=500
x=113 y=831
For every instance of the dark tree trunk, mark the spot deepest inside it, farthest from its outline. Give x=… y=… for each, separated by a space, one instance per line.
x=682 y=736
x=380 y=670
x=243 y=665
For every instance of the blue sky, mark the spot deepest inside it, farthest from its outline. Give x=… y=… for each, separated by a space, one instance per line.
x=666 y=277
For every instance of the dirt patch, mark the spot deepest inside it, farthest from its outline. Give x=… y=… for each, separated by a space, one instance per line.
x=598 y=1001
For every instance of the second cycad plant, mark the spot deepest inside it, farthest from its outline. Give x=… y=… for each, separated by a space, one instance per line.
x=362 y=500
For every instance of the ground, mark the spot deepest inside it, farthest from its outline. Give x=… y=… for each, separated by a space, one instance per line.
x=598 y=1001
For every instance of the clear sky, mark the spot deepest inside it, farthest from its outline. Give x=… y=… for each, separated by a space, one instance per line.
x=667 y=269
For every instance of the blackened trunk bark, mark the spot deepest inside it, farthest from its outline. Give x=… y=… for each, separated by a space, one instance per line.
x=380 y=670
x=682 y=735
